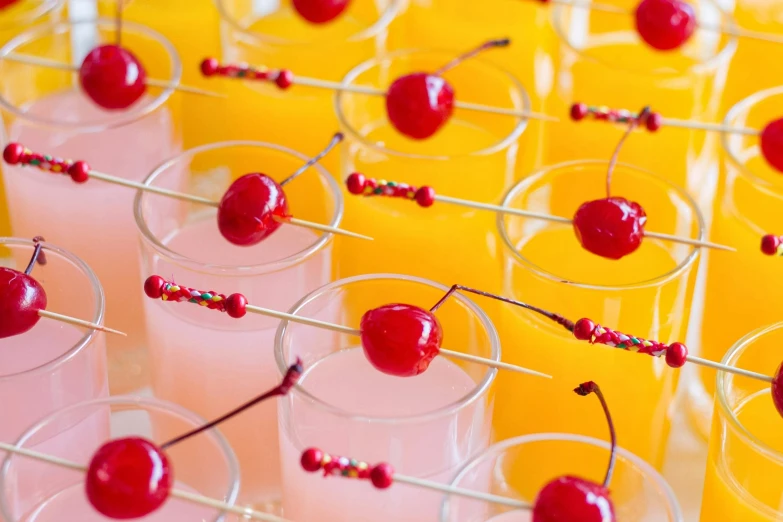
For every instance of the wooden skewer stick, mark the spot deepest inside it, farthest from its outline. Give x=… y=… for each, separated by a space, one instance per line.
x=167 y=291
x=263 y=74
x=78 y=322
x=194 y=498
x=461 y=492
x=359 y=189
x=729 y=369
x=151 y=82
x=191 y=198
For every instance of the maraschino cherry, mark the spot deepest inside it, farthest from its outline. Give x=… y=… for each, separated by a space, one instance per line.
x=665 y=24
x=112 y=77
x=777 y=389
x=771 y=141
x=611 y=227
x=131 y=477
x=570 y=498
x=420 y=103
x=248 y=208
x=21 y=296
x=320 y=11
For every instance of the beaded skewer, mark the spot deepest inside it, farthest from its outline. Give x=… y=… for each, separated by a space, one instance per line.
x=236 y=306
x=426 y=196
x=80 y=172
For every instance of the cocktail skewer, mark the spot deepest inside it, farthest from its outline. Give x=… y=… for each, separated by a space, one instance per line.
x=236 y=306
x=152 y=82
x=425 y=196
x=23 y=300
x=80 y=172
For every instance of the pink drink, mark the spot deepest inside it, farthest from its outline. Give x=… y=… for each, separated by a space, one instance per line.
x=425 y=426
x=54 y=364
x=34 y=491
x=95 y=218
x=205 y=360
x=512 y=516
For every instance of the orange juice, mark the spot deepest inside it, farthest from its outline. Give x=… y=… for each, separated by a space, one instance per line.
x=300 y=117
x=474 y=156
x=763 y=16
x=602 y=61
x=739 y=296
x=646 y=294
x=745 y=461
x=192 y=27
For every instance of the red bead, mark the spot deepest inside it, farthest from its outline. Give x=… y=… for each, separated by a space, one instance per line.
x=382 y=475
x=676 y=355
x=400 y=339
x=772 y=144
x=419 y=104
x=665 y=24
x=320 y=11
x=770 y=244
x=128 y=478
x=777 y=389
x=236 y=305
x=312 y=460
x=654 y=121
x=578 y=111
x=610 y=227
x=356 y=183
x=572 y=498
x=153 y=286
x=284 y=79
x=21 y=297
x=112 y=77
x=583 y=329
x=12 y=153
x=209 y=66
x=79 y=171
x=246 y=212
x=425 y=196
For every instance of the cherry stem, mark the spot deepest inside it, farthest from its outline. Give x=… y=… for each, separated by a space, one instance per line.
x=559 y=319
x=291 y=377
x=640 y=119
x=503 y=42
x=337 y=138
x=38 y=255
x=585 y=389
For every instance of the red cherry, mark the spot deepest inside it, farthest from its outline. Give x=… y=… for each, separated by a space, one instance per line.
x=777 y=389
x=772 y=144
x=665 y=24
x=572 y=498
x=21 y=297
x=128 y=478
x=320 y=11
x=610 y=227
x=7 y=3
x=400 y=339
x=245 y=215
x=419 y=104
x=112 y=77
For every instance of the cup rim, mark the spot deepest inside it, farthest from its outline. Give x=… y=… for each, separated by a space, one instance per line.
x=97 y=318
x=366 y=65
x=128 y=116
x=27 y=18
x=738 y=107
x=518 y=187
x=728 y=49
x=479 y=390
x=142 y=403
x=255 y=38
x=721 y=384
x=194 y=265
x=503 y=446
